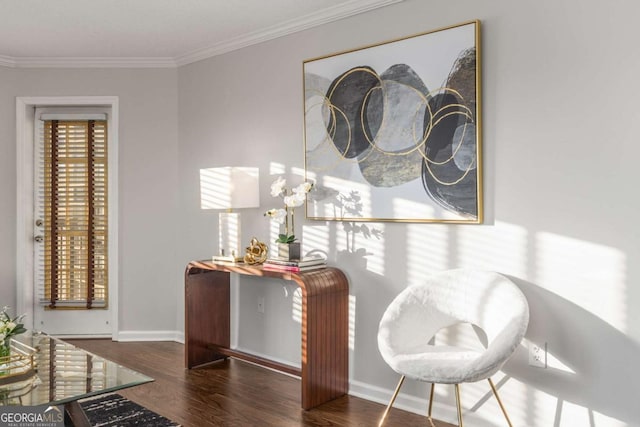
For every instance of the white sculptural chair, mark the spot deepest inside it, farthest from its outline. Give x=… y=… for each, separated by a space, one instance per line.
x=485 y=299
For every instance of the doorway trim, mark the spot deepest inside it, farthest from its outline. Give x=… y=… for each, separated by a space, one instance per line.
x=25 y=116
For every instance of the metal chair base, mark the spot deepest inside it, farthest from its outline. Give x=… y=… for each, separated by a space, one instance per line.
x=458 y=403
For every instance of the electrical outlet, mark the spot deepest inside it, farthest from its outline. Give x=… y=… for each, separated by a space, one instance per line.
x=260 y=304
x=538 y=355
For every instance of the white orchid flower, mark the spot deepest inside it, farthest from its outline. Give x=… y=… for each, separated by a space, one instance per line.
x=278 y=215
x=294 y=200
x=278 y=186
x=303 y=188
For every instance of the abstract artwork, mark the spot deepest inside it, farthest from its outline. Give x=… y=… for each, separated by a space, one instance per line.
x=392 y=131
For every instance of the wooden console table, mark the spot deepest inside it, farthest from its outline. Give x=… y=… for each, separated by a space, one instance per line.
x=325 y=325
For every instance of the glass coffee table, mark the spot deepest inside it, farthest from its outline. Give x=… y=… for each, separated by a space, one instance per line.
x=44 y=370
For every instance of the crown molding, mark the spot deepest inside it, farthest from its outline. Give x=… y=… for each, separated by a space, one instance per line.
x=326 y=16
x=42 y=62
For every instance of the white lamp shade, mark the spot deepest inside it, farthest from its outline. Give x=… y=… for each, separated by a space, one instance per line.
x=229 y=188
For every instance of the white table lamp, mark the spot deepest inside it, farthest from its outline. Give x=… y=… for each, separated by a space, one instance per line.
x=229 y=188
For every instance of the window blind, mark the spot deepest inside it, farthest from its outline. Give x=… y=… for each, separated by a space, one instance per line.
x=73 y=209
x=70 y=371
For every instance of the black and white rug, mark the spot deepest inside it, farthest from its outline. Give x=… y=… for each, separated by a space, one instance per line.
x=113 y=410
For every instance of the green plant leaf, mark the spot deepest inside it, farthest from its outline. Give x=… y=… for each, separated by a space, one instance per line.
x=283 y=238
x=19 y=330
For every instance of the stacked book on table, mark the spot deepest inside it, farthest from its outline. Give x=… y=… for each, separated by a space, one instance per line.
x=295 y=266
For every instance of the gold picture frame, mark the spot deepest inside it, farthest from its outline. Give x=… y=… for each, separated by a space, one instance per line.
x=393 y=131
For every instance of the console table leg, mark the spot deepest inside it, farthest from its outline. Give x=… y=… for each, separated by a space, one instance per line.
x=207 y=316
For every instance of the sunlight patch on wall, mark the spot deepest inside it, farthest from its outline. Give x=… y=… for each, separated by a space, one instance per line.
x=427 y=251
x=536 y=408
x=311 y=176
x=403 y=208
x=352 y=322
x=554 y=363
x=316 y=238
x=296 y=305
x=479 y=399
x=276 y=168
x=298 y=172
x=362 y=245
x=375 y=249
x=356 y=199
x=543 y=409
x=590 y=275
x=571 y=414
x=274 y=230
x=502 y=248
x=603 y=420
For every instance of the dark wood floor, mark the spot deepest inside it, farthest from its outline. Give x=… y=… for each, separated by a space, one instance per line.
x=232 y=393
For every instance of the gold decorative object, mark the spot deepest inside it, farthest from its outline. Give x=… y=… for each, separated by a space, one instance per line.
x=256 y=252
x=18 y=365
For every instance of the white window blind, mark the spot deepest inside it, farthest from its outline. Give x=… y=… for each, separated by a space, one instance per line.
x=72 y=203
x=70 y=371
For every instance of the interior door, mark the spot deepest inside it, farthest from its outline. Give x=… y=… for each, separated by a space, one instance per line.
x=71 y=226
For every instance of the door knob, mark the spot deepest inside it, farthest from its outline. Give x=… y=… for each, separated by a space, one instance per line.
x=38 y=239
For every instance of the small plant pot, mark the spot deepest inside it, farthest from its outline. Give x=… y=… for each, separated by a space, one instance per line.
x=290 y=251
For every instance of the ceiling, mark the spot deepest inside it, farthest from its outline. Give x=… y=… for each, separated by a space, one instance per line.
x=152 y=33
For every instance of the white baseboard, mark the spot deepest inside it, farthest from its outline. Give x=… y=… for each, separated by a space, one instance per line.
x=126 y=336
x=416 y=405
x=82 y=336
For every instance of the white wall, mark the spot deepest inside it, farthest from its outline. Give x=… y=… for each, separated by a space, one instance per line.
x=147 y=183
x=560 y=104
x=7 y=189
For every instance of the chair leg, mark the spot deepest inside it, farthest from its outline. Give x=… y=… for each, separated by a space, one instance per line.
x=433 y=386
x=393 y=399
x=460 y=423
x=495 y=393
